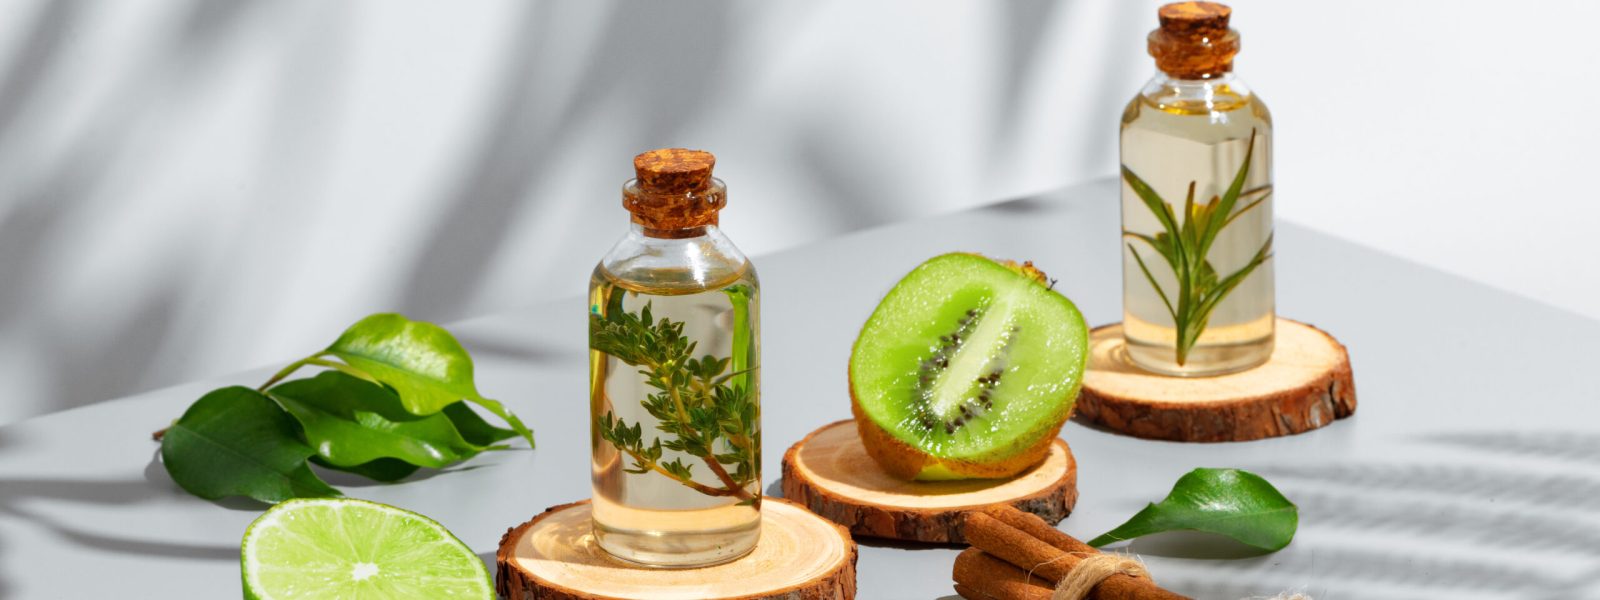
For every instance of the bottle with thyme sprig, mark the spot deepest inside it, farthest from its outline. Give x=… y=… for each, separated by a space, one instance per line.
x=1196 y=205
x=675 y=403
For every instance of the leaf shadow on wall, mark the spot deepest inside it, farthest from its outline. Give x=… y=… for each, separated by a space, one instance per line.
x=526 y=132
x=49 y=200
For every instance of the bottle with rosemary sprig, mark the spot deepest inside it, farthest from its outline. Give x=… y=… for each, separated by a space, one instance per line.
x=1196 y=205
x=675 y=401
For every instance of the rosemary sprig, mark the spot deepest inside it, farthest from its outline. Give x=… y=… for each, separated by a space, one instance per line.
x=699 y=402
x=1184 y=246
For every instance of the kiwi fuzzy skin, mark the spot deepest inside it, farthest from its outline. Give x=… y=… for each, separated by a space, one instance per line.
x=904 y=461
x=908 y=462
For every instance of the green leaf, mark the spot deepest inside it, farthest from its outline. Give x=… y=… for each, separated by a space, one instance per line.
x=474 y=429
x=1192 y=217
x=1152 y=280
x=1231 y=502
x=1224 y=208
x=744 y=353
x=236 y=442
x=1161 y=242
x=1153 y=201
x=350 y=422
x=1252 y=204
x=421 y=361
x=387 y=470
x=1227 y=284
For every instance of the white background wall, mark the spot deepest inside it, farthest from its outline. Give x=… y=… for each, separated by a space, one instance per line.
x=192 y=187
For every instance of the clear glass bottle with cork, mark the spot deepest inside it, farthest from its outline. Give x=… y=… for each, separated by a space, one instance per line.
x=1196 y=204
x=675 y=402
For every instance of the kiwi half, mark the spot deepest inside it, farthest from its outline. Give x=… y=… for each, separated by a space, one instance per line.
x=967 y=369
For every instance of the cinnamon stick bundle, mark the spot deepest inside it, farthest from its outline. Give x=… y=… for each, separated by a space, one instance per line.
x=1018 y=556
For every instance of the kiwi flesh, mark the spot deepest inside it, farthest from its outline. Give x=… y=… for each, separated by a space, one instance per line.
x=967 y=369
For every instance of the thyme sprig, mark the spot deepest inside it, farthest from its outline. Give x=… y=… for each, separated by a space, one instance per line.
x=1185 y=247
x=699 y=402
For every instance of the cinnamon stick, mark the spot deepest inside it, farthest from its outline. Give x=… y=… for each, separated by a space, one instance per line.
x=980 y=576
x=1033 y=546
x=1039 y=528
x=1017 y=547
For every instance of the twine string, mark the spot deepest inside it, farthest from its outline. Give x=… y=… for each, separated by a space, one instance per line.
x=1090 y=571
x=1094 y=568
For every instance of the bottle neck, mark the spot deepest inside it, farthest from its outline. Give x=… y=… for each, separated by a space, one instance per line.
x=688 y=234
x=1189 y=87
x=706 y=260
x=1224 y=92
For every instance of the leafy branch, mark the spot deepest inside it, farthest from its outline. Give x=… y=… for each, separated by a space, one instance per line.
x=697 y=403
x=1185 y=248
x=394 y=398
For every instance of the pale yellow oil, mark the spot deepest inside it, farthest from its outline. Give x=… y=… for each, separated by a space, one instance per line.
x=1171 y=138
x=650 y=518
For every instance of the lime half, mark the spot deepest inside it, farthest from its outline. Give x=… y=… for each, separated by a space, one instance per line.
x=354 y=549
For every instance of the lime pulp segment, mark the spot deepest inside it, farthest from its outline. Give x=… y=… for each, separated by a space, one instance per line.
x=966 y=358
x=343 y=548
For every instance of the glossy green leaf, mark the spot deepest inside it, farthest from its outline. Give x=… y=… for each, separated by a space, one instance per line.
x=236 y=442
x=474 y=429
x=387 y=470
x=424 y=364
x=350 y=422
x=1231 y=502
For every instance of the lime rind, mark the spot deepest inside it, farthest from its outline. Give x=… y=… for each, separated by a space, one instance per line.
x=354 y=549
x=1017 y=317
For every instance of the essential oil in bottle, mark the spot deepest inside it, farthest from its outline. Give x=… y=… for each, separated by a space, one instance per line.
x=1196 y=205
x=675 y=402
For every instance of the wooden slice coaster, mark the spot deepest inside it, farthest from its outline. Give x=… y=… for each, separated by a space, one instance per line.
x=554 y=557
x=830 y=472
x=1305 y=385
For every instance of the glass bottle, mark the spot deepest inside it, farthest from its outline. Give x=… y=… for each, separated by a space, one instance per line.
x=1197 y=276
x=675 y=403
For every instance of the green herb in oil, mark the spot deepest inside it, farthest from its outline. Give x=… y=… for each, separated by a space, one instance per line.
x=698 y=403
x=1185 y=247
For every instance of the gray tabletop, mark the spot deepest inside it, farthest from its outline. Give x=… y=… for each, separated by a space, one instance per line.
x=1470 y=470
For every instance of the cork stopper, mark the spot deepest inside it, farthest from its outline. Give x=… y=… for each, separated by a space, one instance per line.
x=1194 y=18
x=1194 y=41
x=674 y=170
x=674 y=194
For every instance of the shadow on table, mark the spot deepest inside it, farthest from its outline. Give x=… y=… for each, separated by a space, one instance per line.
x=17 y=493
x=1191 y=544
x=1454 y=500
x=342 y=479
x=1030 y=205
x=489 y=561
